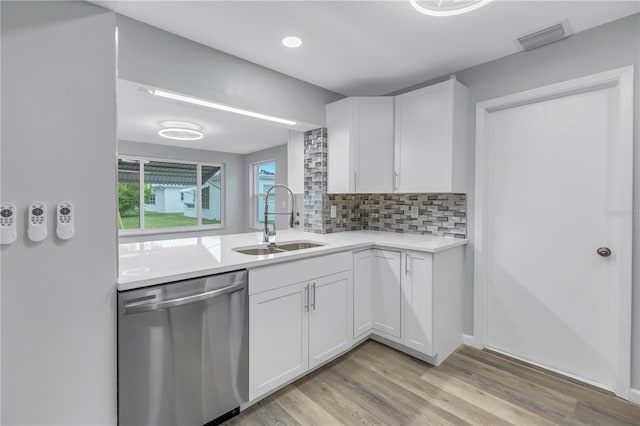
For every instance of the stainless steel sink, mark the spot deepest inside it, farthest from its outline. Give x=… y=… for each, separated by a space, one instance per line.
x=264 y=249
x=259 y=250
x=299 y=245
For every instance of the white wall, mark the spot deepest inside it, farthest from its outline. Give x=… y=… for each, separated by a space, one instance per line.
x=171 y=202
x=158 y=58
x=58 y=143
x=609 y=46
x=295 y=154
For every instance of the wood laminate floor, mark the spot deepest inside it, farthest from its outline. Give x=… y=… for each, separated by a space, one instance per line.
x=377 y=385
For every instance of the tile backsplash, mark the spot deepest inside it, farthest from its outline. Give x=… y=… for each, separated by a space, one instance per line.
x=438 y=214
x=315 y=179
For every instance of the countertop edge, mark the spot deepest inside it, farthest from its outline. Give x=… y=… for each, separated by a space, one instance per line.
x=249 y=264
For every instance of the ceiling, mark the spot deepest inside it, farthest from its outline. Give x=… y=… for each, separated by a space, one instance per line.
x=365 y=47
x=140 y=115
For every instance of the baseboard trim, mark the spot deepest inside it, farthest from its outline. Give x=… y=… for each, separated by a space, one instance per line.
x=634 y=395
x=470 y=340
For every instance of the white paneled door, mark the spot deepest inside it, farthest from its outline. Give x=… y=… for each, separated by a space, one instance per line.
x=557 y=199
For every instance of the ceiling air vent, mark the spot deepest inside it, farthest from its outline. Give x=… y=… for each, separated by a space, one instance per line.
x=545 y=36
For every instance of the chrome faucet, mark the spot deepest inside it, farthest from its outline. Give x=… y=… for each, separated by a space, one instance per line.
x=272 y=233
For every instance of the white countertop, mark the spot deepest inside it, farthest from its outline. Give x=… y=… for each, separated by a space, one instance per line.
x=155 y=262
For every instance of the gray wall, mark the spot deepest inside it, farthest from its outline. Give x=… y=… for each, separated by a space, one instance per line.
x=59 y=143
x=609 y=46
x=158 y=58
x=236 y=182
x=279 y=155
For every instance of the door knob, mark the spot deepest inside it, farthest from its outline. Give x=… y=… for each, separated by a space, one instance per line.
x=604 y=251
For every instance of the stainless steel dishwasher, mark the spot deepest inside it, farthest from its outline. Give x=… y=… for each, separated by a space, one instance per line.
x=183 y=351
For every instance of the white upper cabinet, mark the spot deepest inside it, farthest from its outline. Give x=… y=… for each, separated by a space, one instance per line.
x=360 y=145
x=430 y=126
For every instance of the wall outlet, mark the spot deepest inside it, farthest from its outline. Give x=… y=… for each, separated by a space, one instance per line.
x=415 y=211
x=333 y=211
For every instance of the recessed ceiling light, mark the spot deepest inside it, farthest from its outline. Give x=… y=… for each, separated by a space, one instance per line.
x=292 y=41
x=446 y=7
x=181 y=134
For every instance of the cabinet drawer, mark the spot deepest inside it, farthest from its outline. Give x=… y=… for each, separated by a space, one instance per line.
x=275 y=276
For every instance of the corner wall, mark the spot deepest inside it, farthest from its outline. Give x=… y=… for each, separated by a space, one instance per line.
x=58 y=144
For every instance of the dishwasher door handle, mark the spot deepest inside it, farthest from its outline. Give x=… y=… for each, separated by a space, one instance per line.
x=138 y=307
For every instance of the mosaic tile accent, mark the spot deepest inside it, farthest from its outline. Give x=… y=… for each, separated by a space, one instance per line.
x=438 y=214
x=315 y=180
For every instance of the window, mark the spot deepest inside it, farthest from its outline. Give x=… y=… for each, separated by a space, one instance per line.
x=170 y=194
x=264 y=177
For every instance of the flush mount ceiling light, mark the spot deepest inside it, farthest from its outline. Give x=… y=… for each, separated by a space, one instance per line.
x=213 y=105
x=446 y=7
x=180 y=134
x=292 y=41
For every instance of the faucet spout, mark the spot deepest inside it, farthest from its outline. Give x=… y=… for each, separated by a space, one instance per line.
x=267 y=234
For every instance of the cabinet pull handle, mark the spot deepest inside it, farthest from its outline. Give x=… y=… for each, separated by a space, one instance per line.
x=313 y=304
x=355 y=181
x=395 y=181
x=306 y=297
x=406 y=264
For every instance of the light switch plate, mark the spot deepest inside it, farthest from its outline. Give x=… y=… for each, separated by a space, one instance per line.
x=415 y=211
x=333 y=211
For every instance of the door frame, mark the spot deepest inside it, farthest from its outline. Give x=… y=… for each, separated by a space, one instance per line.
x=622 y=78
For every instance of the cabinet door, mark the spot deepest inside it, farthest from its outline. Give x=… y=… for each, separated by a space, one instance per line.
x=373 y=144
x=362 y=292
x=418 y=302
x=330 y=317
x=386 y=292
x=278 y=337
x=340 y=171
x=424 y=139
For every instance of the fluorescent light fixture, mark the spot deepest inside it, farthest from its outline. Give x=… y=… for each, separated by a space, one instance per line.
x=447 y=7
x=208 y=104
x=181 y=134
x=292 y=41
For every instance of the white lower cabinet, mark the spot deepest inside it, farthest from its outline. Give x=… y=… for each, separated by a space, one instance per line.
x=278 y=343
x=386 y=292
x=330 y=317
x=419 y=309
x=362 y=293
x=295 y=327
x=304 y=313
x=417 y=294
x=432 y=302
x=377 y=292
